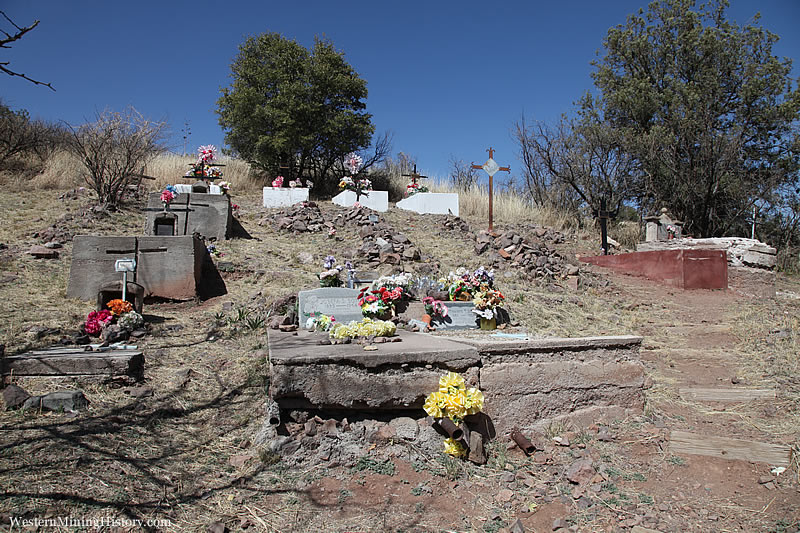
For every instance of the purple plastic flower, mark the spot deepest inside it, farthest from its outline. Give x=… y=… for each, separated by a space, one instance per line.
x=329 y=262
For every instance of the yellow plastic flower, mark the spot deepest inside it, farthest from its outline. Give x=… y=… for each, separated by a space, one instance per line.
x=450 y=382
x=474 y=401
x=454 y=448
x=434 y=404
x=455 y=404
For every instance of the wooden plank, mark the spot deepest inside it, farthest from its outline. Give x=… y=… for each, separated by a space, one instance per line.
x=730 y=395
x=116 y=363
x=725 y=448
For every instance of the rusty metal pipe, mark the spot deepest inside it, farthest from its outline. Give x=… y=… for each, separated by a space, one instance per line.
x=464 y=439
x=273 y=413
x=522 y=441
x=455 y=432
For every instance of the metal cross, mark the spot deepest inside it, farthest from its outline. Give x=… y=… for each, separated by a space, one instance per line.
x=491 y=168
x=414 y=176
x=604 y=215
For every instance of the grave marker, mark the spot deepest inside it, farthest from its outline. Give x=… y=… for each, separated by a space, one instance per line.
x=459 y=316
x=491 y=167
x=338 y=302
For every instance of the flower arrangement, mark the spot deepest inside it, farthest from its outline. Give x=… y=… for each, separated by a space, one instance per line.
x=204 y=168
x=413 y=188
x=454 y=401
x=404 y=280
x=225 y=187
x=366 y=328
x=486 y=302
x=330 y=276
x=167 y=196
x=96 y=321
x=353 y=162
x=361 y=186
x=463 y=284
x=320 y=322
x=434 y=308
x=119 y=307
x=213 y=250
x=278 y=182
x=672 y=231
x=131 y=320
x=379 y=302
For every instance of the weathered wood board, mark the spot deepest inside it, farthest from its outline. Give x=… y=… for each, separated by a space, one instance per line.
x=725 y=448
x=729 y=395
x=74 y=362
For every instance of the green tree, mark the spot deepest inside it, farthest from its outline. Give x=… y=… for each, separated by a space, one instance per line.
x=291 y=107
x=708 y=111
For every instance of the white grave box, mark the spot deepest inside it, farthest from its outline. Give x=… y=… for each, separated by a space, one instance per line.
x=431 y=203
x=284 y=196
x=375 y=200
x=186 y=188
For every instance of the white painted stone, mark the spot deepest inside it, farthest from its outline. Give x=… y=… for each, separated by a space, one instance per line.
x=185 y=188
x=284 y=196
x=433 y=203
x=375 y=200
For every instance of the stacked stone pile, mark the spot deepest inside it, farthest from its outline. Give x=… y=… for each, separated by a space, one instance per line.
x=531 y=254
x=300 y=218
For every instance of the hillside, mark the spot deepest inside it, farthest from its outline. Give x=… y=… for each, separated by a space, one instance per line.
x=183 y=444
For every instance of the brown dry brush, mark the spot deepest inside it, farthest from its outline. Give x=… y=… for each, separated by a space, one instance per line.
x=113 y=148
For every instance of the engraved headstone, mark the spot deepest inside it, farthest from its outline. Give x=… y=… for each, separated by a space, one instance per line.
x=459 y=316
x=338 y=302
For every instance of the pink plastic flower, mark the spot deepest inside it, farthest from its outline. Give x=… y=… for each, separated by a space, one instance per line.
x=206 y=153
x=167 y=196
x=278 y=182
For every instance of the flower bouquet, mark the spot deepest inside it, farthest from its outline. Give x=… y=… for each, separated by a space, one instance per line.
x=366 y=328
x=168 y=195
x=320 y=322
x=205 y=167
x=436 y=309
x=361 y=186
x=330 y=276
x=119 y=311
x=463 y=284
x=486 y=303
x=453 y=402
x=413 y=188
x=379 y=302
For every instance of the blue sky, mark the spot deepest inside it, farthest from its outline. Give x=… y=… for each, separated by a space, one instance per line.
x=448 y=79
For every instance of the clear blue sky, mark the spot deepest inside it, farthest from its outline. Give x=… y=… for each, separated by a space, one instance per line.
x=448 y=79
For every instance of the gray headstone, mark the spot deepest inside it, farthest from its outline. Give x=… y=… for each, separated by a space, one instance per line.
x=459 y=316
x=338 y=302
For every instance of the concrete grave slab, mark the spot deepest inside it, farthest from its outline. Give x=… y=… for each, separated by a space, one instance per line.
x=434 y=203
x=339 y=302
x=523 y=381
x=375 y=200
x=398 y=375
x=167 y=267
x=209 y=215
x=284 y=196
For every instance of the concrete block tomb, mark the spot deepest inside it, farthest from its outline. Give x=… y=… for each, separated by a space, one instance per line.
x=284 y=196
x=524 y=382
x=434 y=203
x=167 y=267
x=208 y=215
x=375 y=200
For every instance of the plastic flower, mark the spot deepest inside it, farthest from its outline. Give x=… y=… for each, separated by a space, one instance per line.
x=329 y=261
x=353 y=161
x=434 y=404
x=451 y=381
x=171 y=188
x=119 y=307
x=206 y=153
x=454 y=448
x=473 y=401
x=131 y=321
x=225 y=186
x=278 y=182
x=167 y=196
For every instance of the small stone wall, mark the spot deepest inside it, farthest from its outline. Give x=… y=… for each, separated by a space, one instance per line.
x=523 y=381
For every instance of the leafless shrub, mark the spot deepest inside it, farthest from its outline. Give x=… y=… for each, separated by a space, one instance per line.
x=114 y=148
x=462 y=175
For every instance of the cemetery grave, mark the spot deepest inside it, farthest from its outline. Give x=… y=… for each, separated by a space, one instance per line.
x=202 y=401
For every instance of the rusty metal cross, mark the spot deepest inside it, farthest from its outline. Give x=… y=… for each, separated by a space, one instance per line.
x=414 y=176
x=491 y=167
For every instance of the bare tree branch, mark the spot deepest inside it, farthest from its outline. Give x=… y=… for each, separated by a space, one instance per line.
x=13 y=37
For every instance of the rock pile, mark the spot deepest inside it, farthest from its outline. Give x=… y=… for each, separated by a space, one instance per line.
x=300 y=218
x=530 y=254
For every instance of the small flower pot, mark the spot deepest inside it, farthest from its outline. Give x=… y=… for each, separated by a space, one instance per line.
x=488 y=323
x=427 y=319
